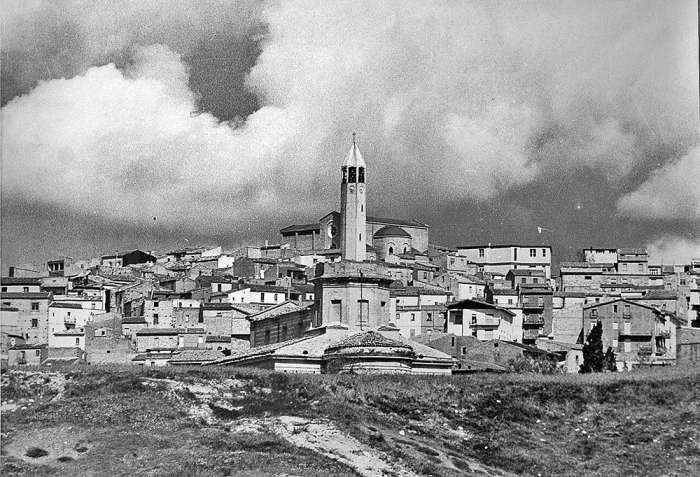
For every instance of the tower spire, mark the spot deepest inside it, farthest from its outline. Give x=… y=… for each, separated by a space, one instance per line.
x=353 y=138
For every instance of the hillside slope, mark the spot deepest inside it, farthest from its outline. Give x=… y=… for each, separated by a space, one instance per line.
x=214 y=422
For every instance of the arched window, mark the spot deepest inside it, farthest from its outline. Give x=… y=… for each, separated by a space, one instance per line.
x=352 y=174
x=345 y=174
x=361 y=175
x=391 y=250
x=405 y=249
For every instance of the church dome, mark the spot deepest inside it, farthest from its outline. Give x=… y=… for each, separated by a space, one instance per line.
x=391 y=231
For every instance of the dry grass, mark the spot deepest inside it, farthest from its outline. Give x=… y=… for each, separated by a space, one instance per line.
x=637 y=423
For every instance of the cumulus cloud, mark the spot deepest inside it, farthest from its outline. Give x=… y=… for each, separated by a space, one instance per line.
x=670 y=193
x=673 y=250
x=475 y=100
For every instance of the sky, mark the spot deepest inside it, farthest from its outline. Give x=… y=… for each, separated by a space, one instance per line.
x=172 y=123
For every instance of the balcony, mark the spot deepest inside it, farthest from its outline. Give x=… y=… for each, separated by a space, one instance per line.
x=528 y=305
x=69 y=320
x=533 y=320
x=644 y=349
x=481 y=321
x=531 y=335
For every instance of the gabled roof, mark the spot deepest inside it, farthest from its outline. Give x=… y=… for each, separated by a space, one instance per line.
x=470 y=304
x=631 y=302
x=26 y=296
x=58 y=304
x=301 y=228
x=278 y=310
x=20 y=281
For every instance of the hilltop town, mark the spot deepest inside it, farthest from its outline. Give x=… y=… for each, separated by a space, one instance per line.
x=352 y=292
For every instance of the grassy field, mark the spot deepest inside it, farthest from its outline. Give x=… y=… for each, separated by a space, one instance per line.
x=140 y=421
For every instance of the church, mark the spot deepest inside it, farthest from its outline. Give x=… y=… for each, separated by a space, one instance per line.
x=351 y=231
x=348 y=327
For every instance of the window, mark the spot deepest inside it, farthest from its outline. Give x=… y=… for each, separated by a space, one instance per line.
x=533 y=252
x=544 y=252
x=594 y=313
x=276 y=297
x=267 y=336
x=588 y=277
x=93 y=306
x=453 y=341
x=515 y=254
x=284 y=333
x=683 y=282
x=615 y=344
x=458 y=318
x=430 y=317
x=413 y=317
x=624 y=266
x=155 y=318
x=616 y=325
x=473 y=319
x=4 y=289
x=481 y=253
x=464 y=350
x=262 y=297
x=35 y=322
x=35 y=306
x=361 y=175
x=363 y=317
x=352 y=174
x=510 y=301
x=200 y=319
x=77 y=342
x=37 y=353
x=187 y=318
x=336 y=311
x=155 y=304
x=535 y=280
x=614 y=308
x=25 y=289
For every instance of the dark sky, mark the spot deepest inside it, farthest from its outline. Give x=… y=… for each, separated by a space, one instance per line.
x=160 y=124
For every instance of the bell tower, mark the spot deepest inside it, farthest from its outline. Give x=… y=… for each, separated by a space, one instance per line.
x=353 y=203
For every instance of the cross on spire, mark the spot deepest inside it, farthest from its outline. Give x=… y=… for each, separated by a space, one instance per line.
x=353 y=139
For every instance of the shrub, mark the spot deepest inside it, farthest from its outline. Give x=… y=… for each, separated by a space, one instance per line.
x=35 y=452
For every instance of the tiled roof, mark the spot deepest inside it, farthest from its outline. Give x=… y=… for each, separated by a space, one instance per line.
x=58 y=304
x=275 y=311
x=196 y=355
x=520 y=272
x=20 y=281
x=632 y=251
x=133 y=320
x=391 y=231
x=368 y=339
x=159 y=331
x=301 y=228
x=76 y=331
x=504 y=291
x=261 y=350
x=26 y=296
x=217 y=306
x=218 y=339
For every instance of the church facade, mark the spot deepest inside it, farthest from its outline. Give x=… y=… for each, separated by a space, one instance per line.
x=357 y=235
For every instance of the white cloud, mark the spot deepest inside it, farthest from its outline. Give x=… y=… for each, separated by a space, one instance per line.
x=670 y=193
x=473 y=100
x=673 y=250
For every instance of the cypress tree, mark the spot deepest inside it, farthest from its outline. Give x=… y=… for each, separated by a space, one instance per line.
x=593 y=358
x=610 y=360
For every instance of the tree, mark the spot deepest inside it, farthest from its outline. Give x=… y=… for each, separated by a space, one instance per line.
x=593 y=358
x=610 y=360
